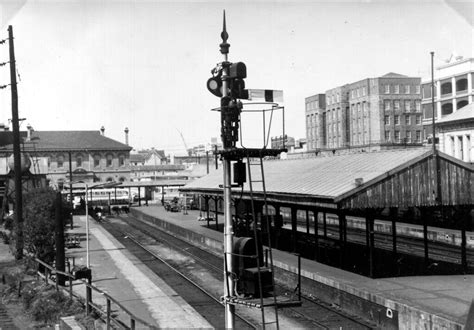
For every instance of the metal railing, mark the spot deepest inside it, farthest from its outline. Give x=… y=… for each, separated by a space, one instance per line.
x=104 y=315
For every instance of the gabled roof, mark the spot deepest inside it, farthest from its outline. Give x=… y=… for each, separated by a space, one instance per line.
x=140 y=157
x=332 y=179
x=321 y=176
x=66 y=140
x=465 y=113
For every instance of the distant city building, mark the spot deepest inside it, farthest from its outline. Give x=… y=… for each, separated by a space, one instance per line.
x=374 y=112
x=315 y=107
x=280 y=142
x=91 y=156
x=454 y=89
x=148 y=157
x=455 y=133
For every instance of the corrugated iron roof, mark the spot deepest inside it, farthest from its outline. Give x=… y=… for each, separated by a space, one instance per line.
x=326 y=177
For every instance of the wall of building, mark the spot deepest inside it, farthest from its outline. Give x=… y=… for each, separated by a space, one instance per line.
x=457 y=140
x=56 y=165
x=459 y=74
x=314 y=108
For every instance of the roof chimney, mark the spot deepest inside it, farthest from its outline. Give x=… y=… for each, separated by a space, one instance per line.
x=29 y=131
x=126 y=135
x=102 y=130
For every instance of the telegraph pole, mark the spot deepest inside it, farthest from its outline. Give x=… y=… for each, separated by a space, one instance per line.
x=16 y=152
x=228 y=230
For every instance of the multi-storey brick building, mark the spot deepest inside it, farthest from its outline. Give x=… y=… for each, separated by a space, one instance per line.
x=454 y=89
x=370 y=113
x=315 y=107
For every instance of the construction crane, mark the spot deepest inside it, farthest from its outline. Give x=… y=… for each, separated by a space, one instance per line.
x=184 y=142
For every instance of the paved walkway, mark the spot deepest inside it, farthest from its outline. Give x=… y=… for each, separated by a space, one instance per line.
x=432 y=298
x=121 y=275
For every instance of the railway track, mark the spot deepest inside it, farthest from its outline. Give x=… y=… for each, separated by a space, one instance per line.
x=205 y=303
x=204 y=270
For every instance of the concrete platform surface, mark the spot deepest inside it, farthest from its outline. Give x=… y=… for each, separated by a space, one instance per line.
x=425 y=301
x=121 y=275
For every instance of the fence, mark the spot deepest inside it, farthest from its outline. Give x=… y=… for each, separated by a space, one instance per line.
x=107 y=315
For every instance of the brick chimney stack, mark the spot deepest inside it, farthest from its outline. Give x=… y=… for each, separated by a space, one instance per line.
x=126 y=135
x=102 y=130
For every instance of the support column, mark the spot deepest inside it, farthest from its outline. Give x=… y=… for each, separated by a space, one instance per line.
x=465 y=225
x=424 y=218
x=216 y=204
x=316 y=236
x=307 y=221
x=139 y=197
x=294 y=229
x=208 y=211
x=371 y=242
x=278 y=225
x=325 y=229
x=342 y=239
x=393 y=217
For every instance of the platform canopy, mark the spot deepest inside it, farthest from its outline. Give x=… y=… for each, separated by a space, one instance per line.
x=395 y=178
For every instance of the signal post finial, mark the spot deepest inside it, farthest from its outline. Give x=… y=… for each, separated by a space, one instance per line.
x=224 y=35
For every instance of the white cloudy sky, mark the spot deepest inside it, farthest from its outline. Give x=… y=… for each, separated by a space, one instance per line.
x=144 y=64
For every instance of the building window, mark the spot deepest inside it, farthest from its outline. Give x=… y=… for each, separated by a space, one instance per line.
x=427 y=91
x=461 y=104
x=418 y=119
x=121 y=160
x=446 y=88
x=418 y=136
x=461 y=85
x=396 y=89
x=417 y=89
x=396 y=119
x=407 y=89
x=417 y=106
x=446 y=109
x=396 y=105
x=387 y=120
x=364 y=91
x=397 y=136
x=96 y=160
x=79 y=160
x=387 y=89
x=407 y=120
x=407 y=105
x=109 y=160
x=386 y=105
x=408 y=137
x=60 y=161
x=387 y=136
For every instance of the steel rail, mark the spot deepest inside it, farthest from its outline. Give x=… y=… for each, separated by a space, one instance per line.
x=131 y=237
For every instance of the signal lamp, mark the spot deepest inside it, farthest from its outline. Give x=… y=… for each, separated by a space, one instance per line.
x=214 y=85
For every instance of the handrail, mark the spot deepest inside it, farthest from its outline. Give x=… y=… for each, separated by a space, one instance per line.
x=108 y=298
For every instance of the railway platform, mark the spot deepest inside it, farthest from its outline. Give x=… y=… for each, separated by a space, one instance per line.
x=416 y=302
x=125 y=278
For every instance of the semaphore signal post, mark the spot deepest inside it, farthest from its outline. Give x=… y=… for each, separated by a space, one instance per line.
x=250 y=282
